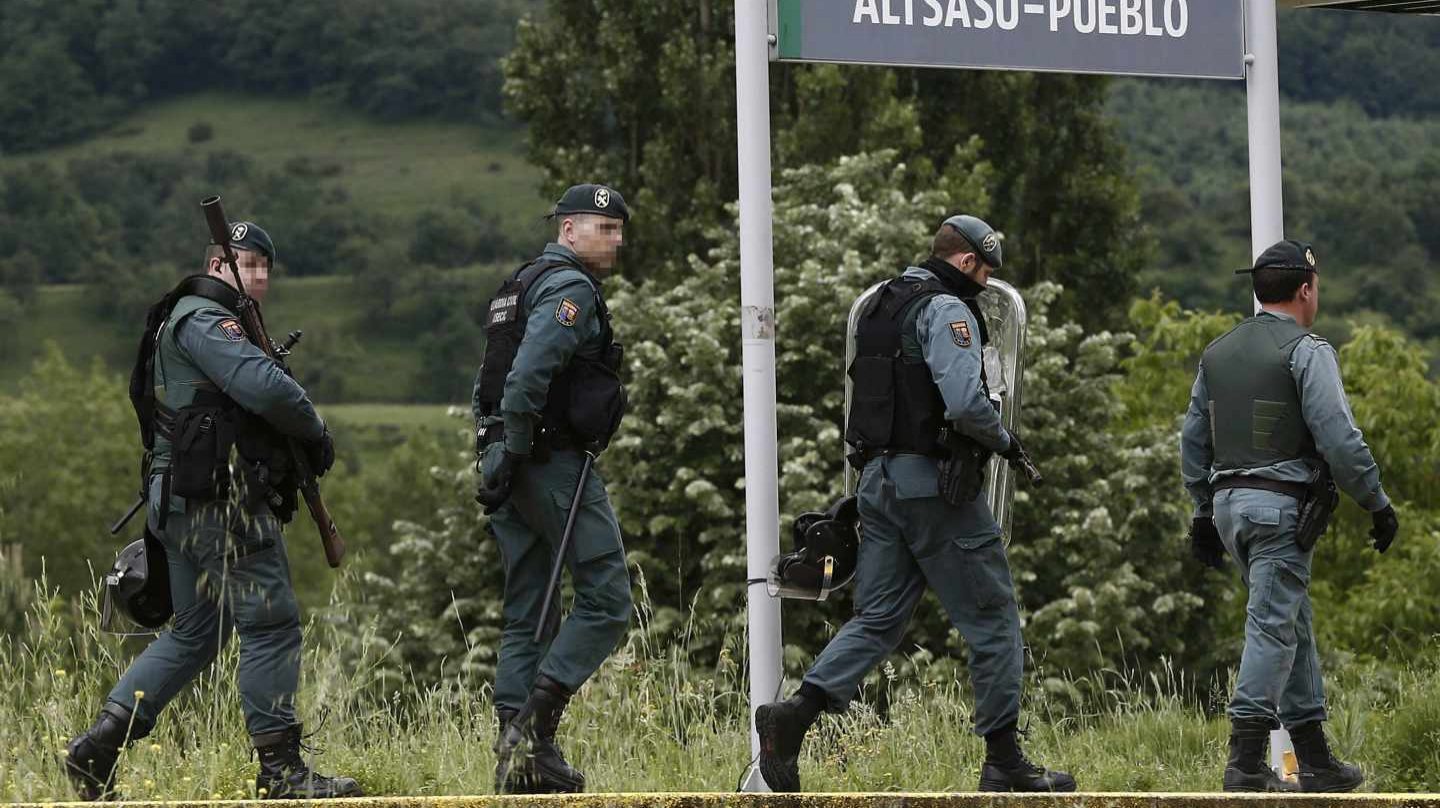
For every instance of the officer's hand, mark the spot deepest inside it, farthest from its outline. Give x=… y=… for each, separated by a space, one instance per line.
x=320 y=454
x=1016 y=451
x=1020 y=459
x=495 y=487
x=1386 y=525
x=1205 y=544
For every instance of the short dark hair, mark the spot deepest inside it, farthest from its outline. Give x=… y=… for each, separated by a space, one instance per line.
x=949 y=241
x=1277 y=285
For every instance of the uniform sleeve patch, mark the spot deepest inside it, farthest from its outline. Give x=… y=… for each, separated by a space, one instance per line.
x=232 y=330
x=960 y=331
x=567 y=313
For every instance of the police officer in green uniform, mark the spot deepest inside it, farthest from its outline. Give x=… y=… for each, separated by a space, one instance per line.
x=547 y=394
x=220 y=526
x=919 y=529
x=1267 y=430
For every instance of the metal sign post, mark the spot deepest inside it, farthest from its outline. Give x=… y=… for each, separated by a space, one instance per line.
x=757 y=327
x=1267 y=202
x=1221 y=39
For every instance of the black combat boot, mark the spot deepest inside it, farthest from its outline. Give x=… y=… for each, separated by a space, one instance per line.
x=781 y=726
x=284 y=774
x=527 y=761
x=503 y=717
x=1319 y=770
x=1246 y=770
x=1007 y=769
x=90 y=758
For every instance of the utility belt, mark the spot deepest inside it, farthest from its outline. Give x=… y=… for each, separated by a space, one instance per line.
x=546 y=440
x=202 y=437
x=1318 y=499
x=860 y=458
x=961 y=463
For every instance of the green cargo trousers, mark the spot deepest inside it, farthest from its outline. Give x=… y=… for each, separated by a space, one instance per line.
x=529 y=527
x=229 y=573
x=1280 y=667
x=914 y=539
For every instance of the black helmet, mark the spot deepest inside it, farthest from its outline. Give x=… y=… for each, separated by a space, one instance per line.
x=827 y=548
x=138 y=586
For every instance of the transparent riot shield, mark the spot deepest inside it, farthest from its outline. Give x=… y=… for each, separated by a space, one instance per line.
x=1005 y=319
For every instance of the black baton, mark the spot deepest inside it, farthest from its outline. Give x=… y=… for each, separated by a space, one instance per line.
x=554 y=587
x=130 y=514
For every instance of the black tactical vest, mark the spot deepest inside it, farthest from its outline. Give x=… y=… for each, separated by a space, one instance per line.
x=191 y=443
x=1255 y=415
x=894 y=403
x=586 y=400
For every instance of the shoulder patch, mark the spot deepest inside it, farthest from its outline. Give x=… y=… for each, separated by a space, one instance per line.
x=230 y=328
x=960 y=332
x=567 y=313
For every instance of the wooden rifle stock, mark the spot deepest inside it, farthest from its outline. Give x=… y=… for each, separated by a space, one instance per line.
x=254 y=326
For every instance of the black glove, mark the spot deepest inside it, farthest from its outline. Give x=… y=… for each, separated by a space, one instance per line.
x=1386 y=525
x=1205 y=544
x=495 y=487
x=320 y=454
x=1016 y=451
x=1018 y=458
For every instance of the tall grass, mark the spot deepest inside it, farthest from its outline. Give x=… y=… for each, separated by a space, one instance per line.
x=649 y=721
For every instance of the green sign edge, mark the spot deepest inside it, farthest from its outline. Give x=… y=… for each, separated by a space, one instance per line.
x=791 y=16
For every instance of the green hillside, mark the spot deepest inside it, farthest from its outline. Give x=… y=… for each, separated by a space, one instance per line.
x=390 y=169
x=333 y=359
x=374 y=327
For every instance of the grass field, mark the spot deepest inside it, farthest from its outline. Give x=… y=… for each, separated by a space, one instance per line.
x=403 y=416
x=648 y=721
x=389 y=168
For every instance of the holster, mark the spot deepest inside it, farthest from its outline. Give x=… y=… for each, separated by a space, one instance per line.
x=962 y=471
x=1321 y=499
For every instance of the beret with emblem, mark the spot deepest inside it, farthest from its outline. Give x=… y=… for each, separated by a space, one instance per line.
x=1287 y=254
x=601 y=200
x=252 y=237
x=981 y=236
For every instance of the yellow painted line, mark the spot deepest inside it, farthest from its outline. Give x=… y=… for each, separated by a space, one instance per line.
x=853 y=800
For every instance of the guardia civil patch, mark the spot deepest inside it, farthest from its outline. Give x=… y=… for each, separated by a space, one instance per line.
x=232 y=330
x=567 y=313
x=961 y=333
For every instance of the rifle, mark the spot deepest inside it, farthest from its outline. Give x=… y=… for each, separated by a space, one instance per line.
x=254 y=327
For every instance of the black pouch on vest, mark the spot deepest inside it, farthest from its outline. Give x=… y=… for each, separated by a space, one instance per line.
x=962 y=473
x=268 y=472
x=596 y=401
x=872 y=401
x=200 y=453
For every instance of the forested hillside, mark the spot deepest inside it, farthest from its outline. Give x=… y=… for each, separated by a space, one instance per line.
x=368 y=137
x=69 y=69
x=1361 y=129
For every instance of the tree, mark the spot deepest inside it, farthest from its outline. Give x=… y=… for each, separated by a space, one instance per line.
x=648 y=103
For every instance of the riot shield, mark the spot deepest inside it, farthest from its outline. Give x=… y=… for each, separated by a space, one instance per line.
x=1005 y=318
